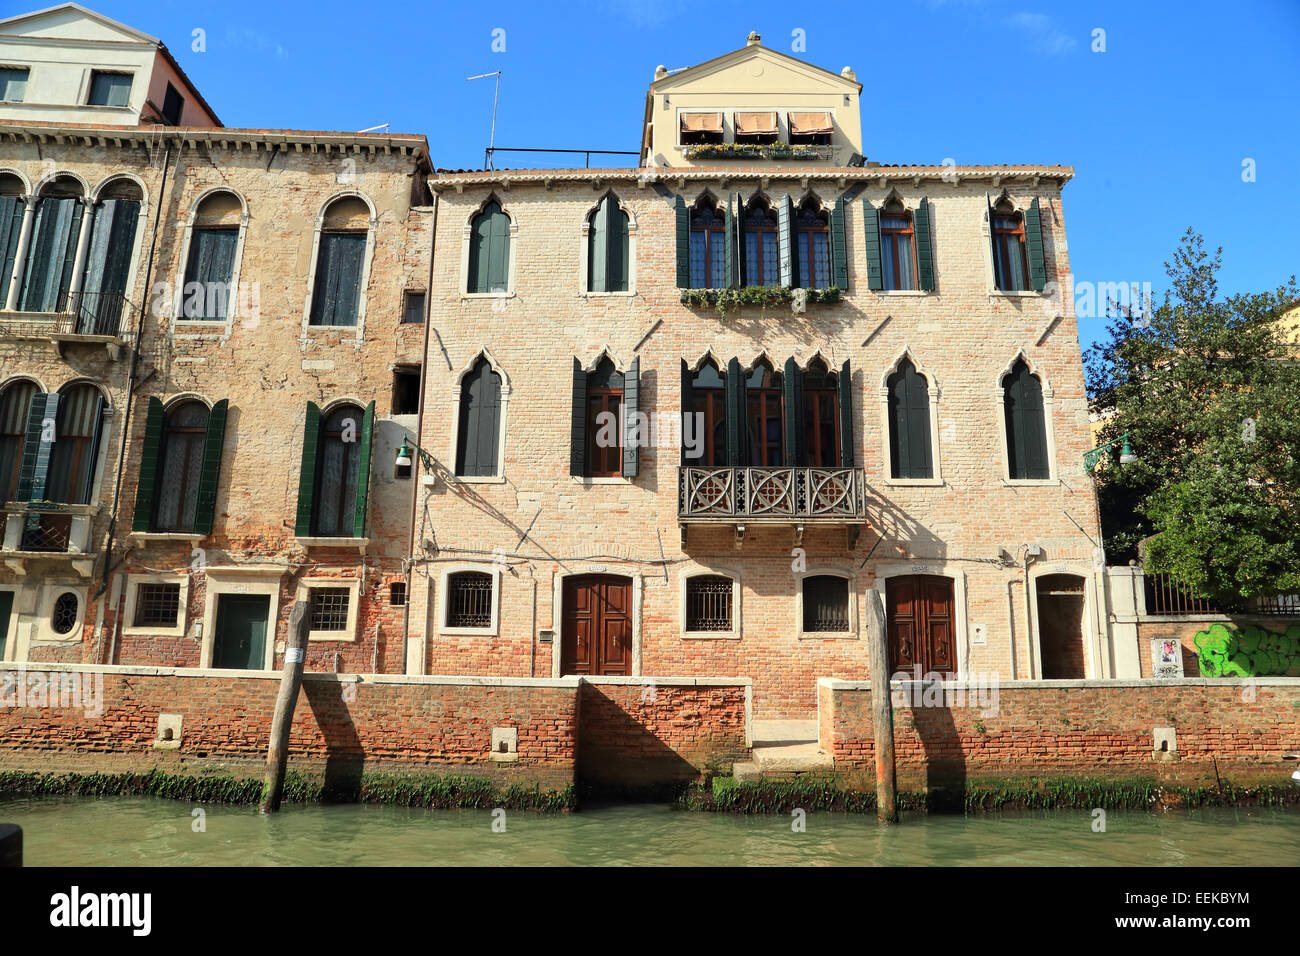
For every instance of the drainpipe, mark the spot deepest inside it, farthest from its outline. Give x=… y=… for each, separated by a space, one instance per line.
x=532 y=633
x=1029 y=617
x=135 y=362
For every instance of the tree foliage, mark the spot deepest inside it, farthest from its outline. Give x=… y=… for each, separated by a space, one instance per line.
x=1208 y=390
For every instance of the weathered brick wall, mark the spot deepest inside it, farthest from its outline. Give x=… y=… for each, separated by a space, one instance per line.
x=634 y=732
x=1184 y=631
x=960 y=335
x=1050 y=727
x=428 y=725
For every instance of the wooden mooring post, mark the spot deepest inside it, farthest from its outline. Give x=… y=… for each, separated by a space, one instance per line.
x=882 y=713
x=277 y=753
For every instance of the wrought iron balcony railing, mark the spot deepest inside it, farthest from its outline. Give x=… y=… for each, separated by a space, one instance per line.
x=75 y=313
x=772 y=494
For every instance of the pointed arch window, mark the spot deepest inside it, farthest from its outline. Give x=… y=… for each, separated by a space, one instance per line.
x=604 y=434
x=479 y=428
x=763 y=418
x=489 y=250
x=821 y=405
x=708 y=246
x=897 y=249
x=15 y=403
x=707 y=401
x=1026 y=425
x=762 y=265
x=1008 y=229
x=812 y=237
x=607 y=247
x=910 y=454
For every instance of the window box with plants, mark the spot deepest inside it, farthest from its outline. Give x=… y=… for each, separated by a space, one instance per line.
x=730 y=300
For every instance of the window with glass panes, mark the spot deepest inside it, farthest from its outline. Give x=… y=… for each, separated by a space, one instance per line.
x=825 y=603
x=604 y=434
x=763 y=402
x=708 y=602
x=157 y=605
x=180 y=461
x=821 y=410
x=708 y=247
x=329 y=608
x=761 y=263
x=1009 y=249
x=812 y=243
x=897 y=250
x=469 y=599
x=709 y=404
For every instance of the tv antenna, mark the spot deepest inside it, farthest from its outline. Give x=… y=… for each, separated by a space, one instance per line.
x=487 y=154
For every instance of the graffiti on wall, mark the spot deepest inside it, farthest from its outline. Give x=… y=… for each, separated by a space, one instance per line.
x=1248 y=651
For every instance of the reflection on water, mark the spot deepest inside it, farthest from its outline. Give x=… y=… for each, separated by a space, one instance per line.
x=129 y=831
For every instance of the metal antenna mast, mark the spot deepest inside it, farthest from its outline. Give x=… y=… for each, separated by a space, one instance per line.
x=487 y=154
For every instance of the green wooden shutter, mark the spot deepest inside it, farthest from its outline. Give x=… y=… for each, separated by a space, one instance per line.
x=142 y=519
x=307 y=473
x=683 y=243
x=993 y=244
x=598 y=248
x=924 y=247
x=618 y=272
x=839 y=249
x=578 y=423
x=792 y=386
x=735 y=414
x=1034 y=247
x=92 y=459
x=69 y=256
x=11 y=227
x=35 y=469
x=53 y=246
x=688 y=390
x=847 y=455
x=785 y=239
x=499 y=273
x=1026 y=425
x=909 y=421
x=731 y=244
x=875 y=271
x=631 y=433
x=480 y=422
x=213 y=441
x=363 y=472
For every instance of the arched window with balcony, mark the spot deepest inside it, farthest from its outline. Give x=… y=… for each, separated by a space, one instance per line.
x=704 y=400
x=52 y=249
x=15 y=403
x=763 y=415
x=821 y=406
x=73 y=461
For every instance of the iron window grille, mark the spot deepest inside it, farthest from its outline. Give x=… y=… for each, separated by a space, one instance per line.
x=329 y=609
x=64 y=617
x=825 y=604
x=469 y=599
x=157 y=605
x=708 y=603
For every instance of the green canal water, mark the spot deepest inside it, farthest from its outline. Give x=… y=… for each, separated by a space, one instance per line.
x=143 y=831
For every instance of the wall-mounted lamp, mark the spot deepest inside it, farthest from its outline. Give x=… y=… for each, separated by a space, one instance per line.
x=1093 y=456
x=404 y=455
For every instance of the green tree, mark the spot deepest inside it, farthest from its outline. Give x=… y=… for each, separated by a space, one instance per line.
x=1208 y=390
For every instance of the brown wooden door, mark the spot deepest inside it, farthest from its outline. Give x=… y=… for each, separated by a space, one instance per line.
x=920 y=624
x=1060 y=626
x=597 y=626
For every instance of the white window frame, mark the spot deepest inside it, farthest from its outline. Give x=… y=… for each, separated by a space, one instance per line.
x=584 y=252
x=454 y=451
x=133 y=582
x=1049 y=413
x=349 y=634
x=936 y=457
x=848 y=575
x=223 y=328
x=45 y=629
x=372 y=225
x=695 y=570
x=444 y=589
x=467 y=235
x=990 y=271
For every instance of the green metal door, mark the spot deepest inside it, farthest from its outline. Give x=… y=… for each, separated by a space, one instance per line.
x=6 y=607
x=241 y=631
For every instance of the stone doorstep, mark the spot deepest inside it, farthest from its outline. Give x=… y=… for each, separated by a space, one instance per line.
x=786 y=746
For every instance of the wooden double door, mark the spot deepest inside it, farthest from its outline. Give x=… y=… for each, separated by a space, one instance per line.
x=919 y=610
x=596 y=633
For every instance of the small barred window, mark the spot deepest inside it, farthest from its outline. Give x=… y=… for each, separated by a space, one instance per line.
x=469 y=599
x=329 y=609
x=157 y=605
x=64 y=617
x=825 y=603
x=708 y=603
x=397 y=594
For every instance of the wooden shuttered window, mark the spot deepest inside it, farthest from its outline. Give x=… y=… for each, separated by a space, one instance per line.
x=632 y=436
x=213 y=443
x=839 y=248
x=792 y=386
x=875 y=271
x=38 y=445
x=924 y=246
x=334 y=477
x=142 y=520
x=607 y=248
x=688 y=409
x=910 y=454
x=683 y=217
x=363 y=473
x=304 y=519
x=732 y=243
x=180 y=468
x=108 y=266
x=578 y=423
x=480 y=422
x=1034 y=247
x=51 y=254
x=15 y=403
x=1026 y=426
x=737 y=452
x=73 y=460
x=208 y=274
x=336 y=293
x=11 y=227
x=489 y=251
x=845 y=384
x=785 y=240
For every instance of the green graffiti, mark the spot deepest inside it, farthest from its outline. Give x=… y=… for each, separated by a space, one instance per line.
x=1248 y=651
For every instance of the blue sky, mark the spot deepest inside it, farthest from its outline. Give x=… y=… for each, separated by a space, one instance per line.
x=1157 y=126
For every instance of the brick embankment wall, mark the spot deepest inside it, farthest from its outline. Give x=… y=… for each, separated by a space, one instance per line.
x=438 y=726
x=634 y=732
x=1225 y=729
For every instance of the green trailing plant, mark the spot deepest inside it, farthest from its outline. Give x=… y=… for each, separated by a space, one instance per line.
x=777 y=150
x=732 y=300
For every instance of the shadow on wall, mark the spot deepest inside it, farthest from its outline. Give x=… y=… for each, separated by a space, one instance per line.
x=617 y=750
x=345 y=756
x=945 y=761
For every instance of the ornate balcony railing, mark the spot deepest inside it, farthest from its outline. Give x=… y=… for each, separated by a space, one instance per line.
x=774 y=494
x=75 y=313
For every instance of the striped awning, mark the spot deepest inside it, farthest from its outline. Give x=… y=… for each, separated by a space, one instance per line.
x=806 y=123
x=756 y=122
x=701 y=122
